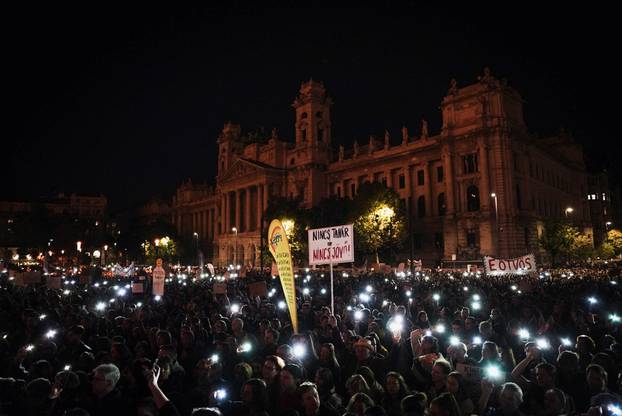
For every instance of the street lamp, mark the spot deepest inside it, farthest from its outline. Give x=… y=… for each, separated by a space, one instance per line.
x=196 y=245
x=235 y=250
x=494 y=196
x=607 y=225
x=568 y=210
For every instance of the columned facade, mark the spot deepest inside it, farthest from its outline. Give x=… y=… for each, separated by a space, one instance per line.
x=446 y=180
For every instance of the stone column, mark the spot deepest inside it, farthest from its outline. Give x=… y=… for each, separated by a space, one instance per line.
x=427 y=188
x=258 y=207
x=449 y=182
x=238 y=198
x=266 y=188
x=484 y=175
x=247 y=210
x=389 y=179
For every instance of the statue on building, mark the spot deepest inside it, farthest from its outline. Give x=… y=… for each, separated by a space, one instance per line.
x=274 y=134
x=372 y=145
x=341 y=152
x=387 y=139
x=424 y=129
x=453 y=87
x=356 y=149
x=484 y=79
x=404 y=135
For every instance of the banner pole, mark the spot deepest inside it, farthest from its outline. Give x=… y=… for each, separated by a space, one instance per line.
x=332 y=295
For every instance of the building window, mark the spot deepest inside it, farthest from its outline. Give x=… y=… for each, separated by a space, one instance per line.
x=352 y=190
x=402 y=181
x=421 y=207
x=471 y=239
x=470 y=163
x=604 y=197
x=292 y=161
x=439 y=242
x=518 y=197
x=526 y=236
x=303 y=116
x=439 y=174
x=472 y=198
x=320 y=133
x=417 y=243
x=420 y=178
x=303 y=133
x=442 y=206
x=384 y=181
x=339 y=191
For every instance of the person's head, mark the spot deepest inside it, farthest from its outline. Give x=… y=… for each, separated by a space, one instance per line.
x=470 y=324
x=359 y=403
x=74 y=335
x=596 y=378
x=285 y=352
x=206 y=411
x=489 y=351
x=186 y=337
x=440 y=371
x=455 y=383
x=510 y=398
x=166 y=367
x=457 y=351
x=168 y=350
x=327 y=354
x=363 y=349
x=271 y=336
x=309 y=397
x=585 y=345
x=395 y=385
x=444 y=405
x=357 y=384
x=163 y=338
x=414 y=405
x=237 y=325
x=271 y=368
x=464 y=313
x=324 y=380
x=457 y=327
x=105 y=379
x=485 y=329
x=367 y=374
x=290 y=377
x=429 y=345
x=242 y=372
x=422 y=316
x=255 y=394
x=554 y=402
x=545 y=375
x=568 y=362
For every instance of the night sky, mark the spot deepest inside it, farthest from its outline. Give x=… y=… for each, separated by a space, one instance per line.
x=129 y=101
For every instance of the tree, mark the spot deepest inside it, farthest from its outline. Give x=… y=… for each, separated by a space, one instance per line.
x=378 y=218
x=164 y=248
x=606 y=250
x=558 y=239
x=582 y=247
x=295 y=220
x=614 y=238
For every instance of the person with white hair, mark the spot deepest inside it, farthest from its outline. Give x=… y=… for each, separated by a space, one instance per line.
x=108 y=400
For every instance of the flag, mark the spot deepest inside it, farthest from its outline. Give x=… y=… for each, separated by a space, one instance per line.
x=279 y=248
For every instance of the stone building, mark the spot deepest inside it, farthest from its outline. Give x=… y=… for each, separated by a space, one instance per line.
x=481 y=185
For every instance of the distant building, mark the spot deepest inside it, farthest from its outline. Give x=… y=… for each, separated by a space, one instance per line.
x=481 y=186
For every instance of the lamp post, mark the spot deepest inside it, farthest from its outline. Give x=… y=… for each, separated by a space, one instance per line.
x=156 y=242
x=494 y=196
x=568 y=210
x=235 y=249
x=607 y=224
x=196 y=245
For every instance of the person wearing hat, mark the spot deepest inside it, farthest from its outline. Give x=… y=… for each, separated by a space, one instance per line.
x=365 y=356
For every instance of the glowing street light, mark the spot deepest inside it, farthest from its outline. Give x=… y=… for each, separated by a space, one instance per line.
x=568 y=210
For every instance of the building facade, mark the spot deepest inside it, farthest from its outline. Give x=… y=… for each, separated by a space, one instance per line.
x=480 y=186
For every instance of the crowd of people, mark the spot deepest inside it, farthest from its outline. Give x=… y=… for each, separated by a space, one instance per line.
x=438 y=343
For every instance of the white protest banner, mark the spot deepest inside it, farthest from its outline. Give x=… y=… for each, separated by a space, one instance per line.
x=137 y=287
x=210 y=266
x=158 y=278
x=517 y=266
x=331 y=245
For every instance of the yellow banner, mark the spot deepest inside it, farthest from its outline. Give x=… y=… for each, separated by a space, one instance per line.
x=279 y=247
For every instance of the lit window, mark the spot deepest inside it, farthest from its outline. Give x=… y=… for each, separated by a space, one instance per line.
x=604 y=196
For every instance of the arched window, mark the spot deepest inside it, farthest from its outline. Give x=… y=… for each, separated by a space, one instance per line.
x=421 y=206
x=472 y=198
x=442 y=206
x=303 y=116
